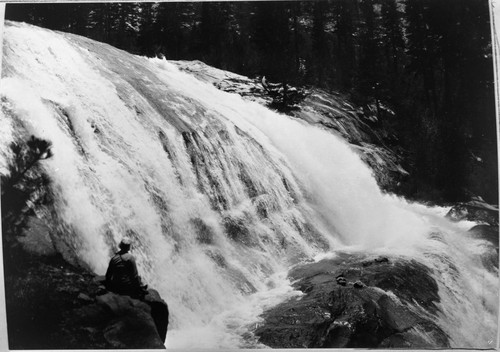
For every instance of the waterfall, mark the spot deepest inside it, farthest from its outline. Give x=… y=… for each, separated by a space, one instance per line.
x=222 y=195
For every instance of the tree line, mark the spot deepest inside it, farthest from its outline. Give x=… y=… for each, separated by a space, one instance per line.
x=430 y=61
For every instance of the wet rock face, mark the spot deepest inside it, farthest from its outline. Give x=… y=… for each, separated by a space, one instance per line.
x=368 y=130
x=487 y=217
x=356 y=302
x=475 y=210
x=490 y=236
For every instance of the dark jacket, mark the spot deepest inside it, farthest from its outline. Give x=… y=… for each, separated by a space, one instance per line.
x=122 y=276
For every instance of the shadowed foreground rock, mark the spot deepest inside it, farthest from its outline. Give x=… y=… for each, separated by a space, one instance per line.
x=159 y=312
x=356 y=302
x=124 y=322
x=52 y=304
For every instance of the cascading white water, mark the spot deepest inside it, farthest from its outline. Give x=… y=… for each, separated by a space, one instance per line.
x=223 y=195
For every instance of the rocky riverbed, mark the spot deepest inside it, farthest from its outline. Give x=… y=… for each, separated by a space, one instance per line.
x=357 y=301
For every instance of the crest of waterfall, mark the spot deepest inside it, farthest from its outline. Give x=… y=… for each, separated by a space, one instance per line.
x=221 y=195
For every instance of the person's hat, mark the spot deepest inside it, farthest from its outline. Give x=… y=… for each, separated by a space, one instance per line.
x=125 y=243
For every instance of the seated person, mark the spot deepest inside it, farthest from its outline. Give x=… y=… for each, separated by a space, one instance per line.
x=122 y=276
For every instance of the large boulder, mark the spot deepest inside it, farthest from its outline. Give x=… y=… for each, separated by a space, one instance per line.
x=159 y=312
x=475 y=210
x=489 y=235
x=354 y=301
x=123 y=322
x=52 y=304
x=486 y=215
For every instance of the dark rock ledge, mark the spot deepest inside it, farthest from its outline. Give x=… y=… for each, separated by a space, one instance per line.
x=347 y=304
x=475 y=210
x=486 y=215
x=52 y=304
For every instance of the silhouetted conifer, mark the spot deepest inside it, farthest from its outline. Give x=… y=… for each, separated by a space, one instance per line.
x=24 y=187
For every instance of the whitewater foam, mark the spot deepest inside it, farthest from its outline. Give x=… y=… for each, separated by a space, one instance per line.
x=223 y=195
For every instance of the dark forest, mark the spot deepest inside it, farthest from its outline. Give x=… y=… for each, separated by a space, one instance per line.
x=429 y=61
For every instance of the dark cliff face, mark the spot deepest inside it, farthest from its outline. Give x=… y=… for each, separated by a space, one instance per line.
x=347 y=304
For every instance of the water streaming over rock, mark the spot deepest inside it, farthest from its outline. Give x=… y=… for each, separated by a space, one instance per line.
x=222 y=194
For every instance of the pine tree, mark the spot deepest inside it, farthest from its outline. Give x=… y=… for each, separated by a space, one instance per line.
x=320 y=49
x=271 y=36
x=345 y=52
x=24 y=187
x=394 y=46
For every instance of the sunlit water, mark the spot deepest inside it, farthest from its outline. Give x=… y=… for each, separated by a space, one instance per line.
x=223 y=195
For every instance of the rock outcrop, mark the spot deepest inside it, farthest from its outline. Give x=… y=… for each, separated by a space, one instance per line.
x=353 y=301
x=486 y=216
x=124 y=322
x=52 y=304
x=159 y=312
x=475 y=210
